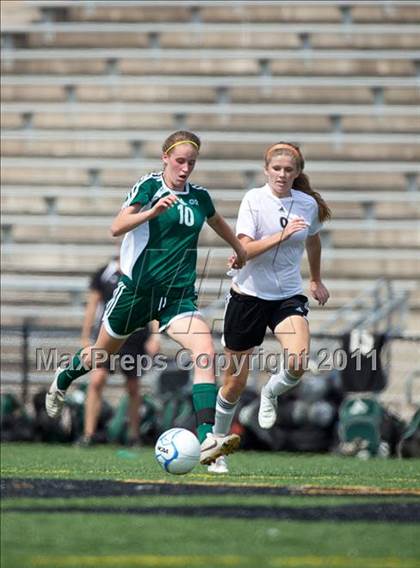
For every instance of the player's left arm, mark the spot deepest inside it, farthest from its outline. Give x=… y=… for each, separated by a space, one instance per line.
x=220 y=226
x=317 y=289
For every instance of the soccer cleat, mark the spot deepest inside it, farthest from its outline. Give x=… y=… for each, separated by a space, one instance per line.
x=133 y=443
x=54 y=399
x=220 y=466
x=215 y=446
x=267 y=413
x=84 y=442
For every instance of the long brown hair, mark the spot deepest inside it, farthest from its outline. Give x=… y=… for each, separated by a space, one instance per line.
x=302 y=182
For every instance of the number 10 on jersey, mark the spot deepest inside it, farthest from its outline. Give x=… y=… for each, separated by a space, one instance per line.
x=186 y=216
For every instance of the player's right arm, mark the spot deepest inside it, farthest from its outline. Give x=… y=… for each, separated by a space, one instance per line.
x=131 y=217
x=256 y=247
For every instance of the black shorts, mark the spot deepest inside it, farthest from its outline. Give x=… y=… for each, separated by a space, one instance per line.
x=247 y=318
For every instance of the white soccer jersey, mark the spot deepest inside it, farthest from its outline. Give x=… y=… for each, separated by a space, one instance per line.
x=275 y=274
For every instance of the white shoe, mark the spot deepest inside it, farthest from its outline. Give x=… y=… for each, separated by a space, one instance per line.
x=215 y=446
x=267 y=413
x=220 y=466
x=54 y=399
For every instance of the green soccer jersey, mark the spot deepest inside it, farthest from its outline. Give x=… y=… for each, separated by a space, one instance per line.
x=163 y=251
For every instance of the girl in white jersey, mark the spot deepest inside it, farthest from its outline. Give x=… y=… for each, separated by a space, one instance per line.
x=275 y=223
x=161 y=220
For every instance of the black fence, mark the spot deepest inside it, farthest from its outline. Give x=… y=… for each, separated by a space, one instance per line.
x=26 y=355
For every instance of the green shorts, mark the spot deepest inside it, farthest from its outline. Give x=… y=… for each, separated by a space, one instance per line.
x=128 y=311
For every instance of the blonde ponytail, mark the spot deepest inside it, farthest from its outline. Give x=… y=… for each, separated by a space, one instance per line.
x=302 y=183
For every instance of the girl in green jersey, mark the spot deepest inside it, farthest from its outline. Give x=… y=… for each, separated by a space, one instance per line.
x=161 y=220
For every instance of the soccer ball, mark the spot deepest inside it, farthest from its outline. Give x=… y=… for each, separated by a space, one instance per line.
x=177 y=450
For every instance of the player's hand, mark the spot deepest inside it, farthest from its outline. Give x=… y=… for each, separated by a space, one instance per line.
x=319 y=292
x=163 y=205
x=239 y=259
x=293 y=226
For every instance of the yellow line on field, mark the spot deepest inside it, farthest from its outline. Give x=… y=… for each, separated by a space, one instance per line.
x=150 y=560
x=342 y=562
x=136 y=560
x=356 y=490
x=16 y=470
x=303 y=489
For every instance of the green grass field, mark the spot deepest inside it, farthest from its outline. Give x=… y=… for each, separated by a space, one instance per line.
x=159 y=522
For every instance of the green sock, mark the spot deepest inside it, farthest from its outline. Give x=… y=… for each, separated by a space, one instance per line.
x=72 y=372
x=204 y=401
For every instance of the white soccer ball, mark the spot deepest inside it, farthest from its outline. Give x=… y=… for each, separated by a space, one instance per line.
x=177 y=450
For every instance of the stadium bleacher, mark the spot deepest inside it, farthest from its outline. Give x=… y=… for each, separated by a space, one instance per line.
x=90 y=90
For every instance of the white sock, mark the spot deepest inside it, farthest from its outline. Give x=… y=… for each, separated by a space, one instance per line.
x=281 y=383
x=225 y=411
